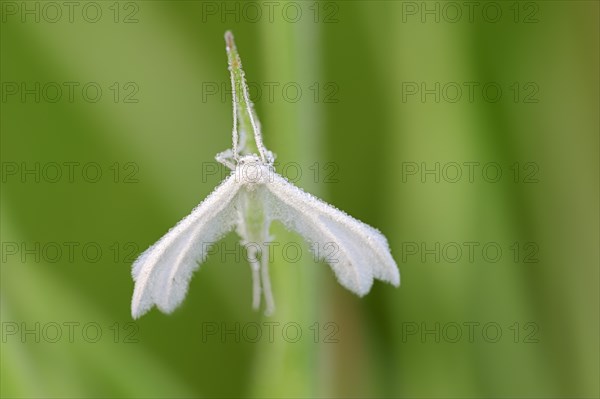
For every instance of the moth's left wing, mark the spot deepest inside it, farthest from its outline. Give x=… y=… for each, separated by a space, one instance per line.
x=163 y=271
x=358 y=252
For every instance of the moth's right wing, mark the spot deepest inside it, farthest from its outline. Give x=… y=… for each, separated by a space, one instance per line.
x=360 y=252
x=163 y=271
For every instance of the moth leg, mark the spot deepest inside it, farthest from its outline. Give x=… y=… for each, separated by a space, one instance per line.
x=254 y=266
x=227 y=158
x=266 y=284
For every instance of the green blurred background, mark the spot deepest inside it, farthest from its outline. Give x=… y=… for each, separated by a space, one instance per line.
x=400 y=113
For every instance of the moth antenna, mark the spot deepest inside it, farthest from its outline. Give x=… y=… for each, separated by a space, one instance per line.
x=230 y=46
x=235 y=68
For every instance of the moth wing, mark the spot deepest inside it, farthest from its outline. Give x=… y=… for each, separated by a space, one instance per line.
x=361 y=252
x=162 y=273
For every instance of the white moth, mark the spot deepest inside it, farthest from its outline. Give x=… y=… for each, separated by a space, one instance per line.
x=248 y=200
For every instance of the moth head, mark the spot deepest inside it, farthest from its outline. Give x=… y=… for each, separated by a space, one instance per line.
x=248 y=159
x=251 y=170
